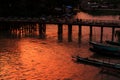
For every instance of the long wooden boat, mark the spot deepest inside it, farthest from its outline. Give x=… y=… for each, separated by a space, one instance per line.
x=113 y=43
x=98 y=63
x=109 y=71
x=106 y=53
x=104 y=47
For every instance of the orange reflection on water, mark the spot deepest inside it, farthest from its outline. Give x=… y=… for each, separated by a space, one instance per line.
x=51 y=61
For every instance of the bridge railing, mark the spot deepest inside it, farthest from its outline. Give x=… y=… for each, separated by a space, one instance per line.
x=102 y=22
x=63 y=20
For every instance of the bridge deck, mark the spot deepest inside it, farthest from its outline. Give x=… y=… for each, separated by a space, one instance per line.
x=83 y=22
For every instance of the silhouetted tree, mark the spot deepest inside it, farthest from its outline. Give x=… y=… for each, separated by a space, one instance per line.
x=31 y=7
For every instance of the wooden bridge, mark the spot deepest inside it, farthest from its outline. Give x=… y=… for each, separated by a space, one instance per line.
x=62 y=21
x=85 y=22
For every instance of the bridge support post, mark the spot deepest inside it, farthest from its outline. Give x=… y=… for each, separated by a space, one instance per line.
x=113 y=32
x=101 y=35
x=79 y=33
x=60 y=32
x=90 y=35
x=69 y=33
x=42 y=31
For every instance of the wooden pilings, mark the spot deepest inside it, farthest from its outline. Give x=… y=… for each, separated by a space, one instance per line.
x=101 y=35
x=113 y=32
x=60 y=32
x=28 y=28
x=79 y=33
x=42 y=31
x=69 y=33
x=90 y=35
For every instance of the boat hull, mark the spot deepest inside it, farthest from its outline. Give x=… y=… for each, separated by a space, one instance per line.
x=97 y=63
x=113 y=43
x=105 y=49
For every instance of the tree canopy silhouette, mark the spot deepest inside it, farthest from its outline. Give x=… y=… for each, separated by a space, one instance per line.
x=31 y=7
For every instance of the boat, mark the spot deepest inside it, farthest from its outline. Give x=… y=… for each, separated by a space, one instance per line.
x=113 y=43
x=98 y=63
x=106 y=53
x=109 y=71
x=105 y=49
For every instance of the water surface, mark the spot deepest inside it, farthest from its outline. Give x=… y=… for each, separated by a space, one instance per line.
x=23 y=56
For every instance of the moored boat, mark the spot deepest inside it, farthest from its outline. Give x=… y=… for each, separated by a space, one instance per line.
x=97 y=63
x=105 y=47
x=105 y=53
x=113 y=43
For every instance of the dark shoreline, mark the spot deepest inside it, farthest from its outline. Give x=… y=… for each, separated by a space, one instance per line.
x=102 y=11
